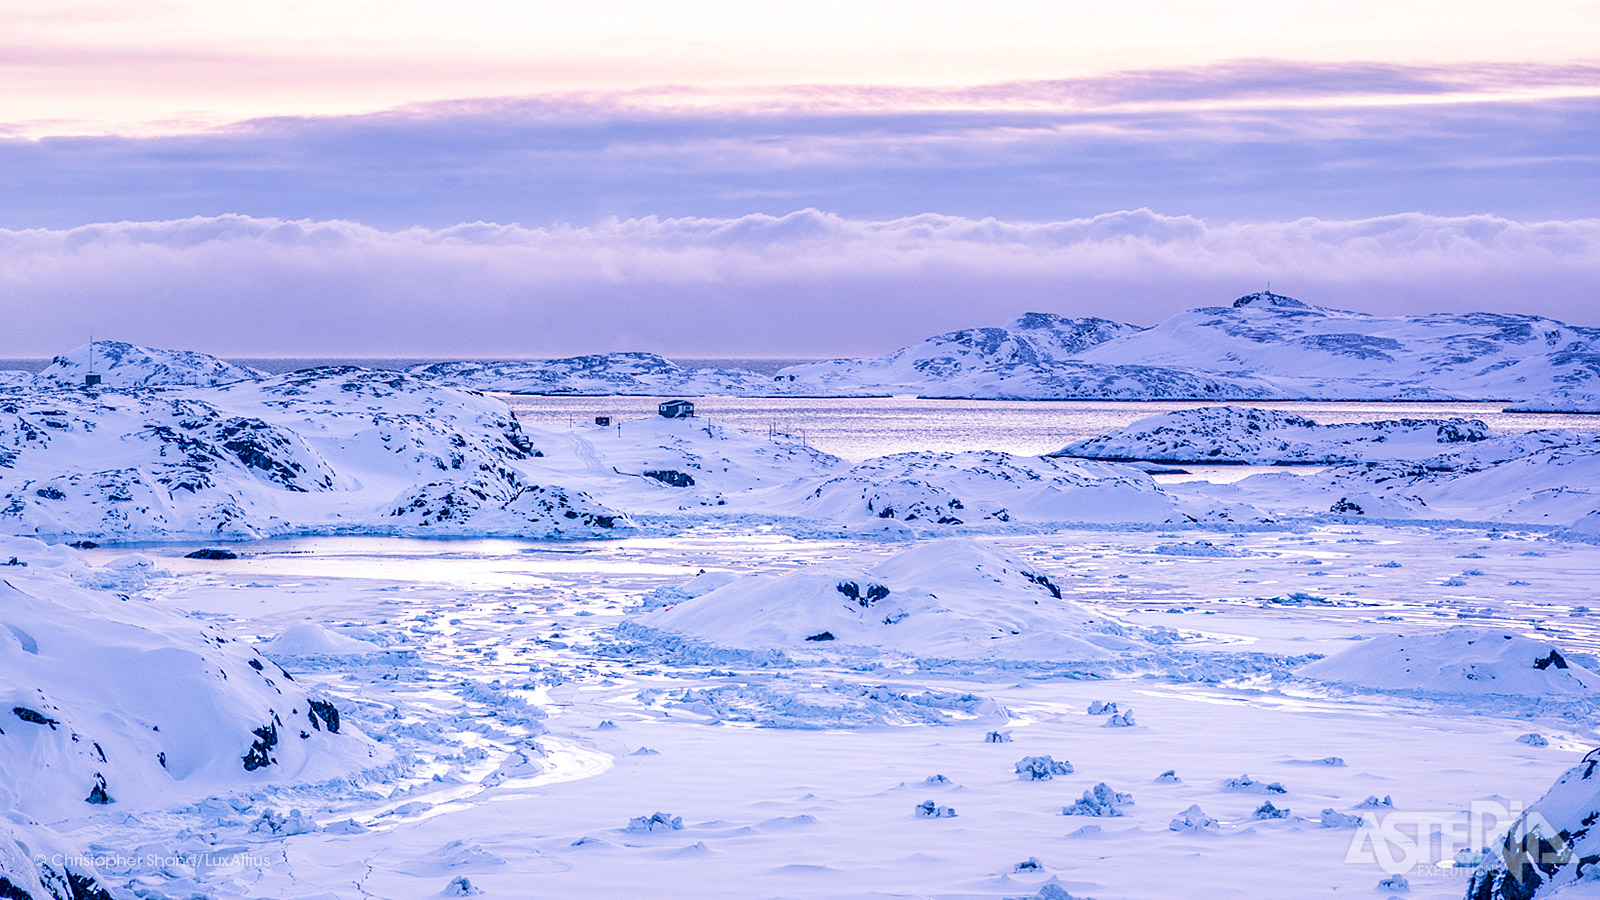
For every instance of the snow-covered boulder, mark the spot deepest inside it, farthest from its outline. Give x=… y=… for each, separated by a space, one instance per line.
x=945 y=599
x=1460 y=660
x=1552 y=846
x=123 y=365
x=1226 y=434
x=108 y=701
x=945 y=489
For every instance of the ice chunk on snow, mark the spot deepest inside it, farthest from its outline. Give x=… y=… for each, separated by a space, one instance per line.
x=659 y=821
x=1396 y=883
x=928 y=809
x=1100 y=801
x=1041 y=768
x=1534 y=739
x=1268 y=811
x=274 y=822
x=1332 y=818
x=1249 y=785
x=1120 y=720
x=1193 y=819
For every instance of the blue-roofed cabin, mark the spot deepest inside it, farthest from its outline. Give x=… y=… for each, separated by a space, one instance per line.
x=676 y=409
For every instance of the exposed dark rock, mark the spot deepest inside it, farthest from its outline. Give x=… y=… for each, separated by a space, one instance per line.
x=1043 y=582
x=51 y=493
x=98 y=794
x=327 y=713
x=84 y=545
x=820 y=636
x=85 y=888
x=671 y=477
x=1554 y=659
x=1344 y=507
x=873 y=594
x=211 y=553
x=260 y=754
x=37 y=718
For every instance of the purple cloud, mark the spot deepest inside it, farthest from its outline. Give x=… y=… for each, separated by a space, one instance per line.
x=1248 y=141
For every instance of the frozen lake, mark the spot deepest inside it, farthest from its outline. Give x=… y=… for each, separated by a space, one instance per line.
x=528 y=736
x=862 y=428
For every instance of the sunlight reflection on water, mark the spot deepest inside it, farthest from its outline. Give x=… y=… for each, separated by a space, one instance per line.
x=861 y=428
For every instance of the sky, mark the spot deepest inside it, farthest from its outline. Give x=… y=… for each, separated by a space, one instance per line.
x=732 y=179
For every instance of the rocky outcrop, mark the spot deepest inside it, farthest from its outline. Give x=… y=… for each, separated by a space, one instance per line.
x=1552 y=845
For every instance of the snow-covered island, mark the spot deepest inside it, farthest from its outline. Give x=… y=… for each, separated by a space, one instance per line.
x=669 y=657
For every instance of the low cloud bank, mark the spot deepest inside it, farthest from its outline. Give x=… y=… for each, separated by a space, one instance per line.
x=806 y=283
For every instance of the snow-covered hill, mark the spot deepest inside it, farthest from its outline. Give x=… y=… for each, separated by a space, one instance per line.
x=986 y=487
x=121 y=364
x=1460 y=660
x=113 y=705
x=1314 y=352
x=953 y=599
x=1031 y=357
x=1404 y=469
x=339 y=448
x=1269 y=437
x=661 y=465
x=1263 y=346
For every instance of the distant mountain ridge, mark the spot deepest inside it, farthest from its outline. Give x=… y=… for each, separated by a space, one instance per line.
x=1264 y=346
